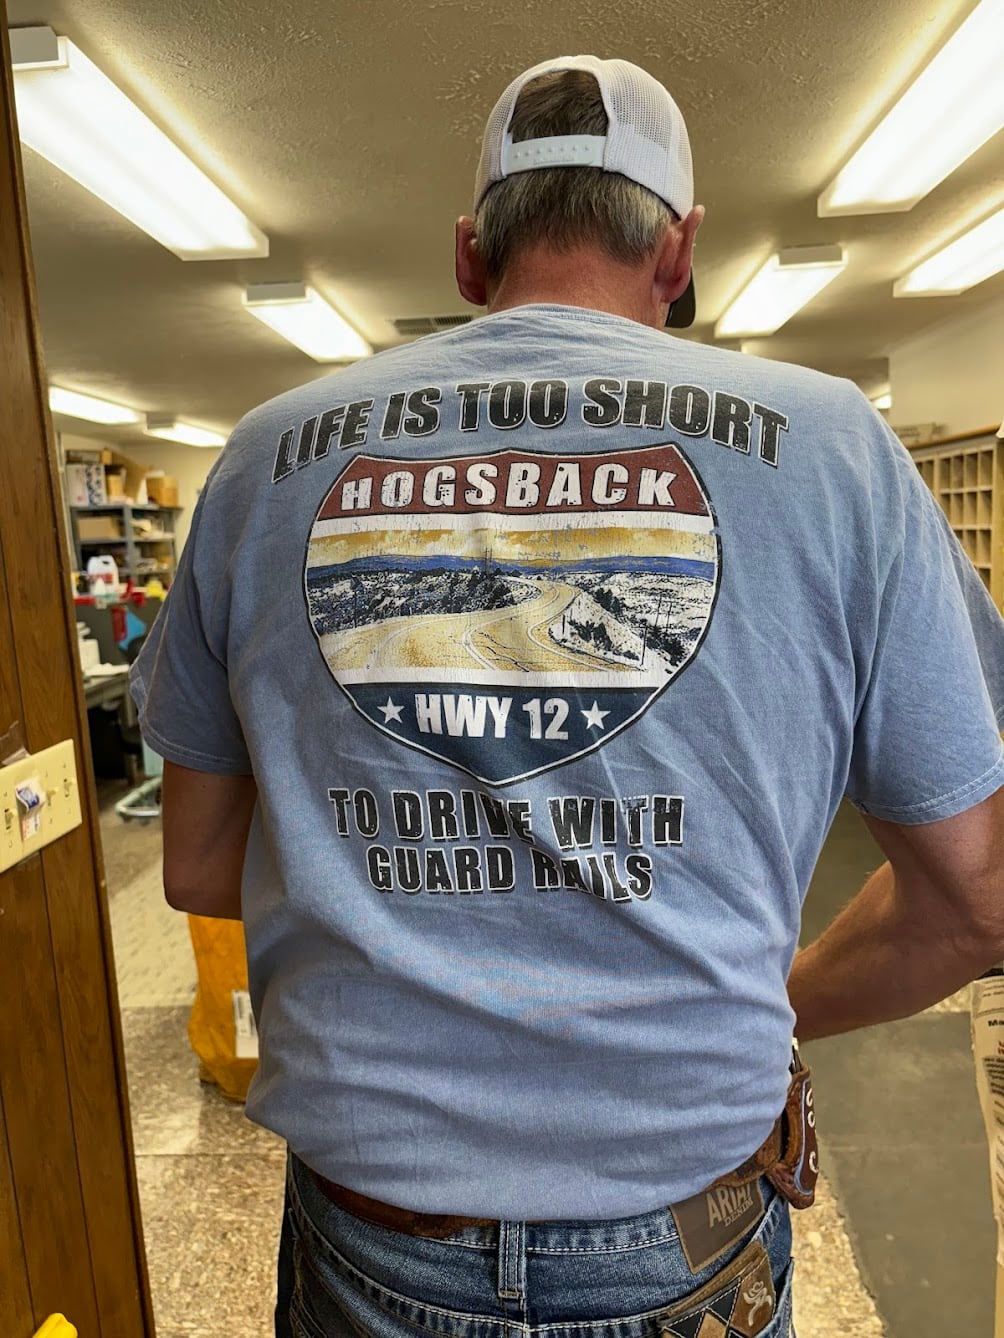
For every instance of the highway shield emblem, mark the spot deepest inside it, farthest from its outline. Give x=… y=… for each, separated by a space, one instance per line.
x=509 y=612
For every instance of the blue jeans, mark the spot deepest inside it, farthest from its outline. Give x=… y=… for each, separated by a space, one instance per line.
x=340 y=1276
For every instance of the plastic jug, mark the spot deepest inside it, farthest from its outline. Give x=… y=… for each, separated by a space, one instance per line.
x=102 y=567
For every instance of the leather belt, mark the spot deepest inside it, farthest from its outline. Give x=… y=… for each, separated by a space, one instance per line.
x=438 y=1226
x=435 y=1225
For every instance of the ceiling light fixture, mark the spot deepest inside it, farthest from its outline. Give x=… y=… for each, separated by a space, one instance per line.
x=883 y=401
x=945 y=115
x=301 y=315
x=71 y=114
x=789 y=280
x=961 y=264
x=75 y=405
x=173 y=429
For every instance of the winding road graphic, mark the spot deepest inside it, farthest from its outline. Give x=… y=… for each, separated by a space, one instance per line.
x=510 y=639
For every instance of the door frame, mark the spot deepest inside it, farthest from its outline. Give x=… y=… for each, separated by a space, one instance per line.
x=72 y=1237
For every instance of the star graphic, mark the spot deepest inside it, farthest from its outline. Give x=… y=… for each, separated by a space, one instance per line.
x=594 y=717
x=391 y=712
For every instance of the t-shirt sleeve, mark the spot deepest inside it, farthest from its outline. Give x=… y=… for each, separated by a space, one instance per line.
x=179 y=682
x=927 y=737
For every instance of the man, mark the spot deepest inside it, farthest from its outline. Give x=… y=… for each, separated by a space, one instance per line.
x=520 y=673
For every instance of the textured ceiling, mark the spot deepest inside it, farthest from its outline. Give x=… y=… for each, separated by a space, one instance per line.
x=349 y=134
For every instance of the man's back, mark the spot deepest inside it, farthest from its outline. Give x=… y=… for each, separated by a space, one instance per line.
x=553 y=645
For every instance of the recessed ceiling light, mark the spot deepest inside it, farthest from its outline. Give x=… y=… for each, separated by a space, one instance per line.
x=173 y=429
x=883 y=401
x=782 y=286
x=301 y=315
x=74 y=116
x=961 y=264
x=945 y=115
x=75 y=405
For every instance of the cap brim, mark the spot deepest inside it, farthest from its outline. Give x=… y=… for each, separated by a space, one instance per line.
x=684 y=309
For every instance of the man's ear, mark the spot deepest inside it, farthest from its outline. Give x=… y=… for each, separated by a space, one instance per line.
x=672 y=272
x=471 y=278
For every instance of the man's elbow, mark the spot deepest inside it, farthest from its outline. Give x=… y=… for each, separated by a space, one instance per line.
x=195 y=898
x=981 y=931
x=178 y=895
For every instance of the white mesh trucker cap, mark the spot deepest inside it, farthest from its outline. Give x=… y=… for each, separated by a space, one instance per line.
x=646 y=141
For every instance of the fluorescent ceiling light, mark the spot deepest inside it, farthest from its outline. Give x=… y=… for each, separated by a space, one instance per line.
x=883 y=401
x=173 y=429
x=302 y=316
x=76 y=118
x=75 y=405
x=968 y=260
x=782 y=286
x=954 y=106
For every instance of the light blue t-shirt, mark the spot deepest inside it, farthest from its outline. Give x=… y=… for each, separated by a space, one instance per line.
x=553 y=643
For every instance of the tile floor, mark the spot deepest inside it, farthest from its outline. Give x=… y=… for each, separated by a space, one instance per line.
x=211 y=1182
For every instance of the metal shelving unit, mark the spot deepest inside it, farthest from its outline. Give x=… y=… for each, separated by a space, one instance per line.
x=137 y=555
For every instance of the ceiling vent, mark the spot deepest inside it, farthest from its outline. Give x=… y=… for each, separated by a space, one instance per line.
x=413 y=326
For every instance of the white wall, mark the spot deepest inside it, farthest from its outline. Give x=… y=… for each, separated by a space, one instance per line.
x=188 y=464
x=952 y=374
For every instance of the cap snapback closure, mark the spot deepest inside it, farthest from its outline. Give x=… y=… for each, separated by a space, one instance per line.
x=555 y=151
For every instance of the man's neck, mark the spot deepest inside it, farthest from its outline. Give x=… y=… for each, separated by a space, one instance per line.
x=580 y=278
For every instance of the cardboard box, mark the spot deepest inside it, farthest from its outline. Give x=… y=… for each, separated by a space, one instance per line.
x=97 y=455
x=134 y=483
x=101 y=527
x=76 y=484
x=162 y=489
x=917 y=434
x=85 y=485
x=94 y=478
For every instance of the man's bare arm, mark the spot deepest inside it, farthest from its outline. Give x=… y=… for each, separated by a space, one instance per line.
x=924 y=925
x=206 y=821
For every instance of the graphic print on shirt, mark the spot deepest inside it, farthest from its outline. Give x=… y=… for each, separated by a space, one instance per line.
x=511 y=611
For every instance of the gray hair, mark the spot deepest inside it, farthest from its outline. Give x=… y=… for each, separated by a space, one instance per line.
x=566 y=207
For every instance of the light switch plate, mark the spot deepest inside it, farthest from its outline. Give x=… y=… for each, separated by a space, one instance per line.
x=52 y=775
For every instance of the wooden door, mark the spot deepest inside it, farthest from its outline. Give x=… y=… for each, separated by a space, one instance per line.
x=70 y=1236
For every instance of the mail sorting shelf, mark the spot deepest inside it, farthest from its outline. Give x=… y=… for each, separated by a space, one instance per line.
x=966 y=475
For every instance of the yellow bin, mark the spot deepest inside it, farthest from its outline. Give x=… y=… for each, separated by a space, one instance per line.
x=57 y=1326
x=221 y=963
